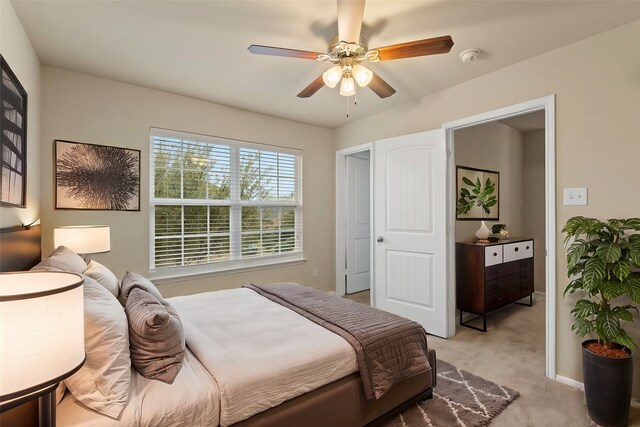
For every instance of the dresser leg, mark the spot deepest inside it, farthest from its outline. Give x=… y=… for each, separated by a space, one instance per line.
x=468 y=325
x=530 y=301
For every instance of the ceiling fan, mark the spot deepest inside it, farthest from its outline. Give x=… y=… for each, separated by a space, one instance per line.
x=351 y=51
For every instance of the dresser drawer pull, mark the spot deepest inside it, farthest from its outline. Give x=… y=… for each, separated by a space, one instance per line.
x=527 y=247
x=516 y=249
x=495 y=254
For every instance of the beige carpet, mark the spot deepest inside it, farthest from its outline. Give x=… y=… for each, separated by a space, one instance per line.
x=512 y=353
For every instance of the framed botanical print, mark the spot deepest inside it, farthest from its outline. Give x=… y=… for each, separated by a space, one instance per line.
x=97 y=177
x=13 y=117
x=477 y=194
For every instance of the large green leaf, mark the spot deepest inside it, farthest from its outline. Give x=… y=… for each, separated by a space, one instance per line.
x=584 y=308
x=576 y=251
x=573 y=286
x=607 y=325
x=623 y=313
x=609 y=252
x=467 y=181
x=634 y=251
x=621 y=270
x=623 y=339
x=612 y=289
x=631 y=224
x=632 y=287
x=594 y=273
x=583 y=327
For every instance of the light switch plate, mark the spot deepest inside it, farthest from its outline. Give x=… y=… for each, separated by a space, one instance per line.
x=575 y=196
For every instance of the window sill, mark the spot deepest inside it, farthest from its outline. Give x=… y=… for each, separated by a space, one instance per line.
x=187 y=273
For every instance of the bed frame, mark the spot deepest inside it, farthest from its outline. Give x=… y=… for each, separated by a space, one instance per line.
x=339 y=404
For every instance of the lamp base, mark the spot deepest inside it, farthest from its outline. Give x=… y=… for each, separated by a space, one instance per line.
x=47 y=409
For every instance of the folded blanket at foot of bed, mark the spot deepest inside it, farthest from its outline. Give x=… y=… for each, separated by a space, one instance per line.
x=389 y=348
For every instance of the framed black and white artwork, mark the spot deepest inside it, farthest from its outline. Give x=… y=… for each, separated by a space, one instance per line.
x=13 y=115
x=97 y=177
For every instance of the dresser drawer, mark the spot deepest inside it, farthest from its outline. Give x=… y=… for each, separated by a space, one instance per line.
x=526 y=276
x=526 y=264
x=502 y=298
x=516 y=251
x=526 y=289
x=497 y=285
x=492 y=255
x=501 y=270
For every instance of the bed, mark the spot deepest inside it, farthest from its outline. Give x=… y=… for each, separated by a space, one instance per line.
x=243 y=368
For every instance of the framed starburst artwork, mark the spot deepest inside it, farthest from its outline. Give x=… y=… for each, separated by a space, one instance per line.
x=96 y=177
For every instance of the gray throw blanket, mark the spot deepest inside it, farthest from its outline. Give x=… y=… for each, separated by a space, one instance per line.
x=389 y=348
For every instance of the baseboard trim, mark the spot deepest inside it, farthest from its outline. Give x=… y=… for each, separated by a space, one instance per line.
x=540 y=293
x=570 y=382
x=635 y=403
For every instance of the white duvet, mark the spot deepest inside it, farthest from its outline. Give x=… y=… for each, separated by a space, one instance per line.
x=259 y=353
x=192 y=400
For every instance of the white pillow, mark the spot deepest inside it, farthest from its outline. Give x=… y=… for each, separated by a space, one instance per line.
x=62 y=259
x=102 y=383
x=104 y=276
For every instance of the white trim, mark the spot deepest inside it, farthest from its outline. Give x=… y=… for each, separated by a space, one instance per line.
x=570 y=382
x=540 y=293
x=341 y=167
x=635 y=403
x=548 y=105
x=160 y=277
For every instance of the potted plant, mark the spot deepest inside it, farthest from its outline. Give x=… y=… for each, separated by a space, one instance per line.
x=603 y=260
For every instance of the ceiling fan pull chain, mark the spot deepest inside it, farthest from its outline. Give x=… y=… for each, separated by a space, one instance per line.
x=347 y=106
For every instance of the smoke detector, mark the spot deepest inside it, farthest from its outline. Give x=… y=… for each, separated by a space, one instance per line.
x=469 y=55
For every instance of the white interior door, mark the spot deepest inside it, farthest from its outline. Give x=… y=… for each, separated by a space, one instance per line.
x=358 y=263
x=410 y=228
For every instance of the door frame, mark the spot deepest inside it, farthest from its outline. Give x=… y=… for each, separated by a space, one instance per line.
x=548 y=105
x=341 y=207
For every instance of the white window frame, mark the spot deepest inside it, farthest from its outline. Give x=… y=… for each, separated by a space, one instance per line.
x=236 y=263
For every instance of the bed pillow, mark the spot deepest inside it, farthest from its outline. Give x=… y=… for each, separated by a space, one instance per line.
x=155 y=335
x=131 y=281
x=102 y=383
x=62 y=259
x=104 y=276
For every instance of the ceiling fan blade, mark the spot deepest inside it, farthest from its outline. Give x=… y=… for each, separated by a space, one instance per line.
x=281 y=51
x=350 y=13
x=312 y=88
x=380 y=87
x=425 y=47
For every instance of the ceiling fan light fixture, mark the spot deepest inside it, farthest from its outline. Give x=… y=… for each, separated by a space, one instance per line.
x=347 y=87
x=332 y=76
x=362 y=75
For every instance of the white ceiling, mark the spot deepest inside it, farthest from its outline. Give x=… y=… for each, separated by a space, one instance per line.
x=526 y=122
x=199 y=48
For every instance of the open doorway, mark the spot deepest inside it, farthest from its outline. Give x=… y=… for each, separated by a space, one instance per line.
x=519 y=143
x=354 y=257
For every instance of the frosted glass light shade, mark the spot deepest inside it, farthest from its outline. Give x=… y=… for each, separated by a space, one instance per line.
x=347 y=87
x=332 y=76
x=362 y=75
x=83 y=239
x=41 y=330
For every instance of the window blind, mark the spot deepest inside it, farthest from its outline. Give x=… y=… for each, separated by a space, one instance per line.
x=222 y=202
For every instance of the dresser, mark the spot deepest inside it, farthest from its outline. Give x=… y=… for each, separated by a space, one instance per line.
x=492 y=275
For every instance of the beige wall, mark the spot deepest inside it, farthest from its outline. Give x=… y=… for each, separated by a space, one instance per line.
x=497 y=147
x=17 y=51
x=83 y=108
x=533 y=211
x=597 y=87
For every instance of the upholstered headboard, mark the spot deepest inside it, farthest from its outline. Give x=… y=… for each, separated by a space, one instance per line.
x=19 y=248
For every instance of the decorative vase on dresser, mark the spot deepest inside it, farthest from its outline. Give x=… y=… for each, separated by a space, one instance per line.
x=483 y=232
x=492 y=275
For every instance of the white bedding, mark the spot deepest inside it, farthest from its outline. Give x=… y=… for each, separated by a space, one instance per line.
x=259 y=352
x=192 y=400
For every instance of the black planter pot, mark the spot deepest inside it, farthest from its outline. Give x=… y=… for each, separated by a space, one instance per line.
x=607 y=387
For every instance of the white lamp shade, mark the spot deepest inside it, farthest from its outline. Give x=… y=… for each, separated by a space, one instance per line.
x=332 y=76
x=83 y=239
x=347 y=87
x=362 y=75
x=41 y=330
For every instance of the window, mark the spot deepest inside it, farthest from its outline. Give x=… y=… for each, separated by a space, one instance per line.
x=222 y=204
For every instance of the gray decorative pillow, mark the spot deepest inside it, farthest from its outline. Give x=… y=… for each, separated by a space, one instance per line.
x=62 y=259
x=131 y=281
x=156 y=337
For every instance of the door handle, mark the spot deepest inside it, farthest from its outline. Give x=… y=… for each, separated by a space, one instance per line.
x=380 y=239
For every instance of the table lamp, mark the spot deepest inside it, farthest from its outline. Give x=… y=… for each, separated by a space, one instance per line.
x=41 y=337
x=83 y=239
